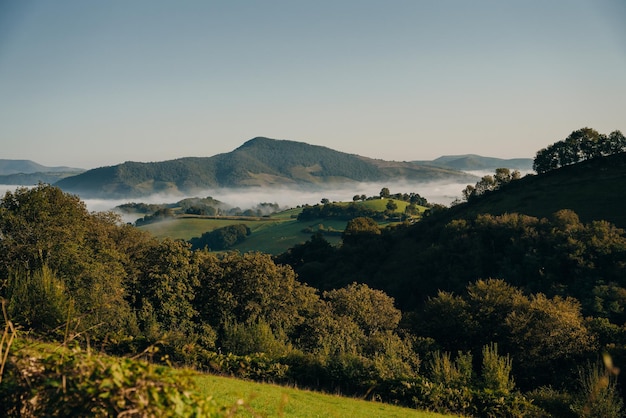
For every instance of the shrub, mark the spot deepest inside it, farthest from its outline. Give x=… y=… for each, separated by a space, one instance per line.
x=77 y=383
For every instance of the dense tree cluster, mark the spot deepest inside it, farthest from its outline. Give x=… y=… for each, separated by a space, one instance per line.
x=352 y=210
x=221 y=238
x=489 y=183
x=336 y=211
x=580 y=145
x=477 y=316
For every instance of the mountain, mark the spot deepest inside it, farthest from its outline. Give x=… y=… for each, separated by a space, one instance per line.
x=472 y=162
x=28 y=167
x=27 y=172
x=258 y=162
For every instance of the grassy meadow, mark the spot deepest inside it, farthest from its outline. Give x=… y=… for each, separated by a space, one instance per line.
x=272 y=234
x=267 y=400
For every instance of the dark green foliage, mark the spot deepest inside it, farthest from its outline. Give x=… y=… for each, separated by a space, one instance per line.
x=372 y=310
x=599 y=396
x=144 y=208
x=163 y=290
x=38 y=300
x=583 y=144
x=553 y=256
x=502 y=177
x=336 y=211
x=75 y=383
x=157 y=216
x=221 y=238
x=124 y=291
x=46 y=233
x=315 y=250
x=546 y=338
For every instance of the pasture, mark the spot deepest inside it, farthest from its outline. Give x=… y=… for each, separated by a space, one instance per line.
x=272 y=234
x=268 y=400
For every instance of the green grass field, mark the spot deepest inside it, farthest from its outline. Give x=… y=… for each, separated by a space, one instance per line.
x=267 y=400
x=272 y=235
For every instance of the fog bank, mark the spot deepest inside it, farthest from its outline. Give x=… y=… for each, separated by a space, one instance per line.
x=287 y=197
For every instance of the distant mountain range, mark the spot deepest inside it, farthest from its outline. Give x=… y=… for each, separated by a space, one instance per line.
x=258 y=162
x=8 y=167
x=27 y=172
x=472 y=162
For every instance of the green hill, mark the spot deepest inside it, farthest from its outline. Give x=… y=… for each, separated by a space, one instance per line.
x=594 y=189
x=258 y=162
x=272 y=234
x=450 y=248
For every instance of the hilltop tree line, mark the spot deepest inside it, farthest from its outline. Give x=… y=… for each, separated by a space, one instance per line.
x=488 y=183
x=582 y=144
x=480 y=318
x=333 y=210
x=193 y=206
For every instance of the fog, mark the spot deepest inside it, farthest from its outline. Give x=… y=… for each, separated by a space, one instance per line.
x=287 y=197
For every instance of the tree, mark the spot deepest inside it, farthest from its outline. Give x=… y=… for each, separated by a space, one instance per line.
x=391 y=206
x=41 y=226
x=164 y=288
x=45 y=229
x=582 y=144
x=486 y=184
x=384 y=193
x=360 y=227
x=469 y=192
x=551 y=339
x=248 y=288
x=371 y=309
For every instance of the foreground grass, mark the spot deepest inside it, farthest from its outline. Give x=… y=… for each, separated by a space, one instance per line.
x=267 y=400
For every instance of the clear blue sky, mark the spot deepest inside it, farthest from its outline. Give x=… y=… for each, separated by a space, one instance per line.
x=89 y=83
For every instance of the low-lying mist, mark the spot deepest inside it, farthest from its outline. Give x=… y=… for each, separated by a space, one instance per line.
x=288 y=197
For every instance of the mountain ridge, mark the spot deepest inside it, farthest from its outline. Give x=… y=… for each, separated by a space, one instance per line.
x=258 y=162
x=474 y=162
x=8 y=167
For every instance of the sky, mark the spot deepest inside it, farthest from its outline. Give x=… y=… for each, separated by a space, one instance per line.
x=90 y=83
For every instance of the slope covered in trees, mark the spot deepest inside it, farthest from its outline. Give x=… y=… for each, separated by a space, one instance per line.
x=258 y=162
x=428 y=333
x=593 y=189
x=485 y=314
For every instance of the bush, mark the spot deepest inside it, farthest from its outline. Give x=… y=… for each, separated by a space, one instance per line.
x=77 y=383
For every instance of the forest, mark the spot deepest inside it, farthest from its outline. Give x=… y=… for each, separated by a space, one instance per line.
x=505 y=315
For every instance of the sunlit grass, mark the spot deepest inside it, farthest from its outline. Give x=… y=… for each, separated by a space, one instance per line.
x=269 y=400
x=273 y=235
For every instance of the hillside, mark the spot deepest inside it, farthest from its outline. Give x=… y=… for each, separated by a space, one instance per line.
x=258 y=162
x=451 y=247
x=594 y=189
x=472 y=162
